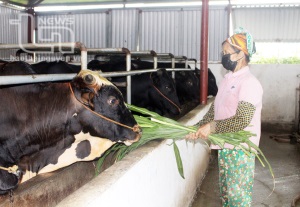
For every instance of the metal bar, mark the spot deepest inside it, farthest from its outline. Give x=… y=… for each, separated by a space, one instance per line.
x=30 y=46
x=204 y=53
x=52 y=46
x=83 y=60
x=93 y=51
x=128 y=78
x=193 y=60
x=165 y=55
x=155 y=62
x=98 y=52
x=172 y=59
x=143 y=53
x=137 y=72
x=24 y=79
x=30 y=27
x=147 y=53
x=177 y=59
x=173 y=66
x=183 y=58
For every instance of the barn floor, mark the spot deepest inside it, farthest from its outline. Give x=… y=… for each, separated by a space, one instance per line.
x=285 y=161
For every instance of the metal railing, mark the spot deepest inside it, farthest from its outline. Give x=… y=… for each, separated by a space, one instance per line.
x=53 y=47
x=81 y=50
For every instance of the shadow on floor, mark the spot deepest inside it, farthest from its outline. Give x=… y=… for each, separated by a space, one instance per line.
x=285 y=161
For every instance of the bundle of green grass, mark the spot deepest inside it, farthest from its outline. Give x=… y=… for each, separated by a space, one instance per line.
x=156 y=127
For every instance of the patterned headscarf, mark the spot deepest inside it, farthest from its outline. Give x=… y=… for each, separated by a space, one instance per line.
x=242 y=40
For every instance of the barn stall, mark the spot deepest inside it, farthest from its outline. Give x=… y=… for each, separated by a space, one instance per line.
x=179 y=33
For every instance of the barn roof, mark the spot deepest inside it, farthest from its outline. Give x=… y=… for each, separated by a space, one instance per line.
x=34 y=3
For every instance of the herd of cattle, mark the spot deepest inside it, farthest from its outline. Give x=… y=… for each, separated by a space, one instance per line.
x=47 y=126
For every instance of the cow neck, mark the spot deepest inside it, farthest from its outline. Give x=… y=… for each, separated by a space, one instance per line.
x=163 y=94
x=135 y=128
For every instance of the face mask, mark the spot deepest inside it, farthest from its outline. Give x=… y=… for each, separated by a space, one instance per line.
x=227 y=63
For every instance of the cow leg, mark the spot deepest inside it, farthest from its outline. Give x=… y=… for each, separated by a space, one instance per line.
x=85 y=148
x=8 y=181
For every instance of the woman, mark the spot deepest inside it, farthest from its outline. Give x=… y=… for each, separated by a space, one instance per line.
x=237 y=106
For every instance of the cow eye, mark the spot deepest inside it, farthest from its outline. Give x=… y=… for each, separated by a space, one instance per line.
x=112 y=101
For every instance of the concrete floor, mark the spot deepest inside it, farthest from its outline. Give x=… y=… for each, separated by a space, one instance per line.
x=285 y=161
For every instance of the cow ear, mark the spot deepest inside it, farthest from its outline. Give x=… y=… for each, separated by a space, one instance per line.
x=87 y=99
x=155 y=78
x=160 y=72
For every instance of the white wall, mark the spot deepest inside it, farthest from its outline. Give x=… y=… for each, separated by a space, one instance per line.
x=280 y=84
x=148 y=176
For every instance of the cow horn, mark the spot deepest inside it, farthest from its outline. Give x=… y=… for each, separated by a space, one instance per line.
x=89 y=79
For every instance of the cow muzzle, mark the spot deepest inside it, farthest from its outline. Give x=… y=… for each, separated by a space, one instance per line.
x=138 y=130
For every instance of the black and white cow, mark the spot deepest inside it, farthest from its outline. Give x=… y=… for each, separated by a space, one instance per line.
x=48 y=126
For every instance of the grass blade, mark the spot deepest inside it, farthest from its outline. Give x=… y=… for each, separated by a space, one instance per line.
x=178 y=160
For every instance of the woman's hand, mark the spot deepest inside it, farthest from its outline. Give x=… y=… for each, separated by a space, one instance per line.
x=202 y=132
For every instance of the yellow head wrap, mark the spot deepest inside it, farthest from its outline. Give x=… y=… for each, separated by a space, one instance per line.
x=239 y=41
x=242 y=40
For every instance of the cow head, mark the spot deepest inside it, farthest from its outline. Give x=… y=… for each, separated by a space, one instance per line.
x=165 y=92
x=187 y=86
x=104 y=112
x=212 y=83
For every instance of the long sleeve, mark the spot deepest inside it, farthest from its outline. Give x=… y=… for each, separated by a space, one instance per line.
x=239 y=121
x=209 y=116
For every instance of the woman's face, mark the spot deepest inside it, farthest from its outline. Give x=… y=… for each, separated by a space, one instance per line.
x=232 y=59
x=228 y=49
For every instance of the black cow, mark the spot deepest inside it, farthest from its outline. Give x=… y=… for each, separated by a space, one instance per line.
x=48 y=126
x=187 y=86
x=212 y=83
x=187 y=82
x=55 y=67
x=155 y=91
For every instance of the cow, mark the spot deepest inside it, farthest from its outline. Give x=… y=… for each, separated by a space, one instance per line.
x=212 y=83
x=187 y=86
x=55 y=67
x=155 y=91
x=187 y=82
x=47 y=126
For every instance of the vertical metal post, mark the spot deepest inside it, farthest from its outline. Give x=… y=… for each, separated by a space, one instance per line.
x=173 y=66
x=83 y=59
x=155 y=62
x=186 y=64
x=30 y=24
x=128 y=78
x=204 y=54
x=229 y=10
x=30 y=29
